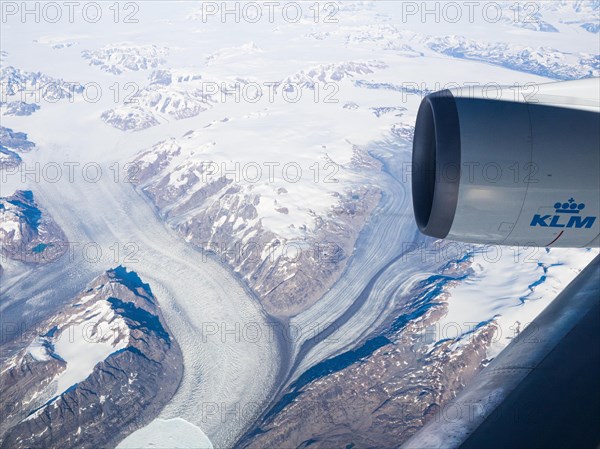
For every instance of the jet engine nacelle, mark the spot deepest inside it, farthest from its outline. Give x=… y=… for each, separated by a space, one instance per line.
x=499 y=171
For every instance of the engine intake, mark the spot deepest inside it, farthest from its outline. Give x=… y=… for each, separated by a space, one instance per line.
x=507 y=172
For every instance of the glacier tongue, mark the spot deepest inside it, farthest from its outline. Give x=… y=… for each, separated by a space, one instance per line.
x=167 y=433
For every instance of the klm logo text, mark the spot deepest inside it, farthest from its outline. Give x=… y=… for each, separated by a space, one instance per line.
x=567 y=216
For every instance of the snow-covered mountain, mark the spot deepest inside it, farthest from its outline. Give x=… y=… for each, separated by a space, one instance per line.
x=381 y=392
x=118 y=58
x=541 y=61
x=91 y=374
x=580 y=13
x=22 y=91
x=328 y=73
x=171 y=95
x=288 y=240
x=179 y=93
x=11 y=144
x=27 y=232
x=8 y=158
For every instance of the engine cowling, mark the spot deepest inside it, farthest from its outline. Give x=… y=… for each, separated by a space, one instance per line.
x=495 y=171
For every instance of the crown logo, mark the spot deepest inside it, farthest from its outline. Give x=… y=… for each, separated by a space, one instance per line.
x=569 y=207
